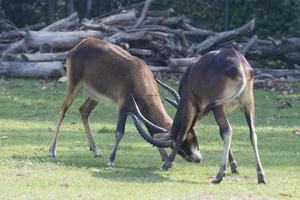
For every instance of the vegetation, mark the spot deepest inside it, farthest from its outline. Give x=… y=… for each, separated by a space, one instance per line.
x=28 y=114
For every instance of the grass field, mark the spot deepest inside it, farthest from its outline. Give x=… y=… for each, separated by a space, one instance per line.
x=28 y=113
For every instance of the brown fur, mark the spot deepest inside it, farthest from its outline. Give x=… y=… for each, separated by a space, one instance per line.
x=105 y=70
x=218 y=80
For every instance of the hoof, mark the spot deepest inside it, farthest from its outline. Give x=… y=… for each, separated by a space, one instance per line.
x=167 y=165
x=261 y=178
x=98 y=154
x=234 y=168
x=218 y=178
x=52 y=154
x=110 y=163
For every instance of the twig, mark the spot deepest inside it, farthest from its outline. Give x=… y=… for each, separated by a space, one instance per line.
x=248 y=46
x=145 y=9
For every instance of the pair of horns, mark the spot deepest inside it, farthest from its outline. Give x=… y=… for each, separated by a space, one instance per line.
x=138 y=116
x=172 y=91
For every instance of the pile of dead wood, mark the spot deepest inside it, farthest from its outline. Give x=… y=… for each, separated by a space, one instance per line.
x=166 y=41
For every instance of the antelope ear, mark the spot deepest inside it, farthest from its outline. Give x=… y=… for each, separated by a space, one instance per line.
x=162 y=136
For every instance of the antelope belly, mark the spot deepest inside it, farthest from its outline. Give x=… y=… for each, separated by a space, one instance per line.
x=95 y=95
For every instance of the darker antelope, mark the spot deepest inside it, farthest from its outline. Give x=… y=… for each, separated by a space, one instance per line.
x=216 y=81
x=105 y=70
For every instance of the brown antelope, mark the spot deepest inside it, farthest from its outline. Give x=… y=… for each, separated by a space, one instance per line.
x=105 y=70
x=215 y=82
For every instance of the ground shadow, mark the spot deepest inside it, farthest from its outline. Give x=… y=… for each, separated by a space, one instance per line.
x=124 y=172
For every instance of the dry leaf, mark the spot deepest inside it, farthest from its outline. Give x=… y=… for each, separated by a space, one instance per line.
x=3 y=137
x=285 y=195
x=285 y=92
x=64 y=185
x=296 y=132
x=90 y=195
x=62 y=79
x=285 y=104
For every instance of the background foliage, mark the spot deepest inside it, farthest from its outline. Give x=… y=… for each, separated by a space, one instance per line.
x=274 y=17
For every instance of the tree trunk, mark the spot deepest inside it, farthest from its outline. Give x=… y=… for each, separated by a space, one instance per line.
x=226 y=15
x=88 y=10
x=2 y=13
x=32 y=69
x=70 y=7
x=51 y=11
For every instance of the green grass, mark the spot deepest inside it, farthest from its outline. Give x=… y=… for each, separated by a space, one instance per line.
x=28 y=113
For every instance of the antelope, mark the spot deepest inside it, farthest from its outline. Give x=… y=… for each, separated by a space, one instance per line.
x=106 y=71
x=215 y=82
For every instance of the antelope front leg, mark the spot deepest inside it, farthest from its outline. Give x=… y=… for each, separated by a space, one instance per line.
x=226 y=133
x=181 y=125
x=119 y=135
x=170 y=160
x=253 y=139
x=163 y=153
x=233 y=163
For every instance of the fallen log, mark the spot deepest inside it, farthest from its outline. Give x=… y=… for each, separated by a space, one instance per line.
x=12 y=57
x=44 y=57
x=17 y=46
x=172 y=22
x=277 y=73
x=13 y=34
x=196 y=31
x=143 y=14
x=35 y=27
x=292 y=58
x=140 y=52
x=58 y=40
x=122 y=18
x=278 y=51
x=99 y=27
x=127 y=37
x=160 y=13
x=180 y=62
x=20 y=45
x=249 y=45
x=71 y=26
x=32 y=69
x=60 y=24
x=211 y=41
x=168 y=69
x=3 y=45
x=132 y=6
x=155 y=27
